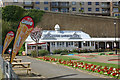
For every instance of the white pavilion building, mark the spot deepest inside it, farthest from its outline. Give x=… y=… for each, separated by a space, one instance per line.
x=57 y=39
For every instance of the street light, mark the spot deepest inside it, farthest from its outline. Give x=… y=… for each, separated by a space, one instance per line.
x=115 y=38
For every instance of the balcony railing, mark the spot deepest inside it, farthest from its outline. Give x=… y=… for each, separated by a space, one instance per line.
x=115 y=4
x=105 y=11
x=105 y=6
x=28 y=4
x=60 y=5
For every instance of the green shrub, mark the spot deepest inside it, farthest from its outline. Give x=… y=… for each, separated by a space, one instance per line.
x=57 y=51
x=12 y=13
x=110 y=53
x=101 y=54
x=75 y=51
x=34 y=53
x=64 y=53
x=43 y=52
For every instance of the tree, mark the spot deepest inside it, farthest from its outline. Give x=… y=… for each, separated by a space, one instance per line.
x=36 y=35
x=12 y=13
x=81 y=10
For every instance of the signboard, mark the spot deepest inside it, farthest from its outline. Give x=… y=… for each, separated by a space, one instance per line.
x=74 y=36
x=8 y=39
x=25 y=27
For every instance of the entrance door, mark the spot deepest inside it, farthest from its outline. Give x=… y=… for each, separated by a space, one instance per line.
x=79 y=44
x=48 y=46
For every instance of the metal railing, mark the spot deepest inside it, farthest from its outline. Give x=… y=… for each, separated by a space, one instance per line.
x=7 y=70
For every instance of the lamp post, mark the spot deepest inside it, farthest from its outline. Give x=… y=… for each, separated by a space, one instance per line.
x=115 y=38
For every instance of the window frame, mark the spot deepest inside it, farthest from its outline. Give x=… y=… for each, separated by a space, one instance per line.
x=89 y=3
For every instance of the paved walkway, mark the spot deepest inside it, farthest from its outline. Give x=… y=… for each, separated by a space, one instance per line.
x=53 y=71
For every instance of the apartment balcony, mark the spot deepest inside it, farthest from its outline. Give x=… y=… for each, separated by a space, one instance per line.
x=61 y=6
x=28 y=4
x=115 y=5
x=106 y=12
x=105 y=6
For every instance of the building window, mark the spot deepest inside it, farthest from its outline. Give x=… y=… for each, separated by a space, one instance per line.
x=116 y=15
x=64 y=10
x=37 y=2
x=46 y=8
x=82 y=3
x=92 y=43
x=73 y=3
x=76 y=44
x=89 y=9
x=46 y=2
x=28 y=3
x=97 y=9
x=54 y=3
x=53 y=44
x=60 y=44
x=28 y=47
x=89 y=3
x=39 y=47
x=97 y=3
x=69 y=44
x=28 y=7
x=55 y=9
x=73 y=9
x=15 y=0
x=115 y=10
x=33 y=47
x=37 y=8
x=87 y=43
x=82 y=8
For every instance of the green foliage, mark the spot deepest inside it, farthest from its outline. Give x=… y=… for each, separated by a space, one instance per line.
x=34 y=53
x=21 y=49
x=75 y=51
x=11 y=16
x=101 y=54
x=110 y=53
x=57 y=51
x=65 y=51
x=35 y=14
x=43 y=52
x=12 y=13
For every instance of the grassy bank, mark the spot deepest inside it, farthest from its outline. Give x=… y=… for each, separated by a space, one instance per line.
x=96 y=63
x=63 y=57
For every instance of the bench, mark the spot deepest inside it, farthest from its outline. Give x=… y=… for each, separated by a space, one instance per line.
x=28 y=69
x=22 y=66
x=16 y=60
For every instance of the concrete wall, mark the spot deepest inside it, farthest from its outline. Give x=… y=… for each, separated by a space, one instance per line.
x=93 y=25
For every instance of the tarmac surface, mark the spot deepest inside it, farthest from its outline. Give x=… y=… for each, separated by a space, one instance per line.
x=55 y=71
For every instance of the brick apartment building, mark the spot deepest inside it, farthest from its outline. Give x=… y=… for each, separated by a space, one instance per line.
x=92 y=8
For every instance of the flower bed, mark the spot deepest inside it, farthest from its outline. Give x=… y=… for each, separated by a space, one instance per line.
x=109 y=71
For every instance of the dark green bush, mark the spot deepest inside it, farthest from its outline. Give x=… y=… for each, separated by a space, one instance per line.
x=43 y=52
x=101 y=54
x=57 y=51
x=64 y=53
x=34 y=53
x=75 y=51
x=12 y=13
x=110 y=53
